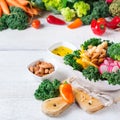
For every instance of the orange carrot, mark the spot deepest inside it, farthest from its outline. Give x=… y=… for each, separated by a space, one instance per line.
x=23 y=2
x=16 y=4
x=75 y=24
x=4 y=7
x=0 y=11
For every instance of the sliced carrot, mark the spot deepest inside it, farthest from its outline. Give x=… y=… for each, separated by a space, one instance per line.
x=66 y=92
x=4 y=7
x=1 y=11
x=23 y=2
x=75 y=24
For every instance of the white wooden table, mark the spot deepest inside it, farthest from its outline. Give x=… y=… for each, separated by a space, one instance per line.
x=17 y=50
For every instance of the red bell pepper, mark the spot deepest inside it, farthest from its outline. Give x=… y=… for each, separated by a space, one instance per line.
x=114 y=23
x=54 y=20
x=98 y=26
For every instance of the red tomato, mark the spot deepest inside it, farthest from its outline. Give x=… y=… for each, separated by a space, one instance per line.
x=36 y=23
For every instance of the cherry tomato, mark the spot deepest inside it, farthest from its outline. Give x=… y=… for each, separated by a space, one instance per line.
x=36 y=23
x=98 y=27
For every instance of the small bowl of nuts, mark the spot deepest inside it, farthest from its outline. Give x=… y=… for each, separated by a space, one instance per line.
x=42 y=69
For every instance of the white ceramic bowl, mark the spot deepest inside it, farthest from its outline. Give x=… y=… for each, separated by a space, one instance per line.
x=100 y=85
x=56 y=45
x=48 y=76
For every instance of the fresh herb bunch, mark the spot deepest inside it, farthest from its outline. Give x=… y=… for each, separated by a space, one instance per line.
x=112 y=78
x=91 y=73
x=47 y=89
x=70 y=59
x=113 y=51
x=17 y=19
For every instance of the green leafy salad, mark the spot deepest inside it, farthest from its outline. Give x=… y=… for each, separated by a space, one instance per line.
x=97 y=60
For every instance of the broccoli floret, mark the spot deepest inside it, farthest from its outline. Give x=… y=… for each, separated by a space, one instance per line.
x=68 y=13
x=54 y=5
x=81 y=8
x=113 y=51
x=47 y=89
x=99 y=9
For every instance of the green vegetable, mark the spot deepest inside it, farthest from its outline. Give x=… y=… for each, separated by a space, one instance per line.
x=81 y=8
x=68 y=13
x=47 y=89
x=37 y=3
x=99 y=9
x=91 y=73
x=91 y=41
x=3 y=24
x=17 y=19
x=113 y=51
x=112 y=78
x=70 y=59
x=114 y=8
x=54 y=5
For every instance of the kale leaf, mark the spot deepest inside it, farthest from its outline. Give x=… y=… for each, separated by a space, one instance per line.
x=70 y=59
x=112 y=78
x=91 y=73
x=47 y=89
x=91 y=41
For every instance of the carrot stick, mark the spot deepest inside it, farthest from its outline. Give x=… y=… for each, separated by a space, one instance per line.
x=75 y=24
x=0 y=11
x=23 y=2
x=4 y=7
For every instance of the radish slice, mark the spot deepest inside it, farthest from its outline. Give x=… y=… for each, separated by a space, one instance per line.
x=103 y=68
x=106 y=62
x=119 y=64
x=110 y=60
x=115 y=62
x=112 y=64
x=110 y=68
x=115 y=68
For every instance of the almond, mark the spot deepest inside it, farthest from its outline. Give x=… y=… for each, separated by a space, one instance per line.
x=95 y=61
x=101 y=60
x=95 y=55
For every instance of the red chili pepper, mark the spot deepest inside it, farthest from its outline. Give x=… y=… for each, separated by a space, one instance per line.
x=98 y=26
x=114 y=23
x=54 y=20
